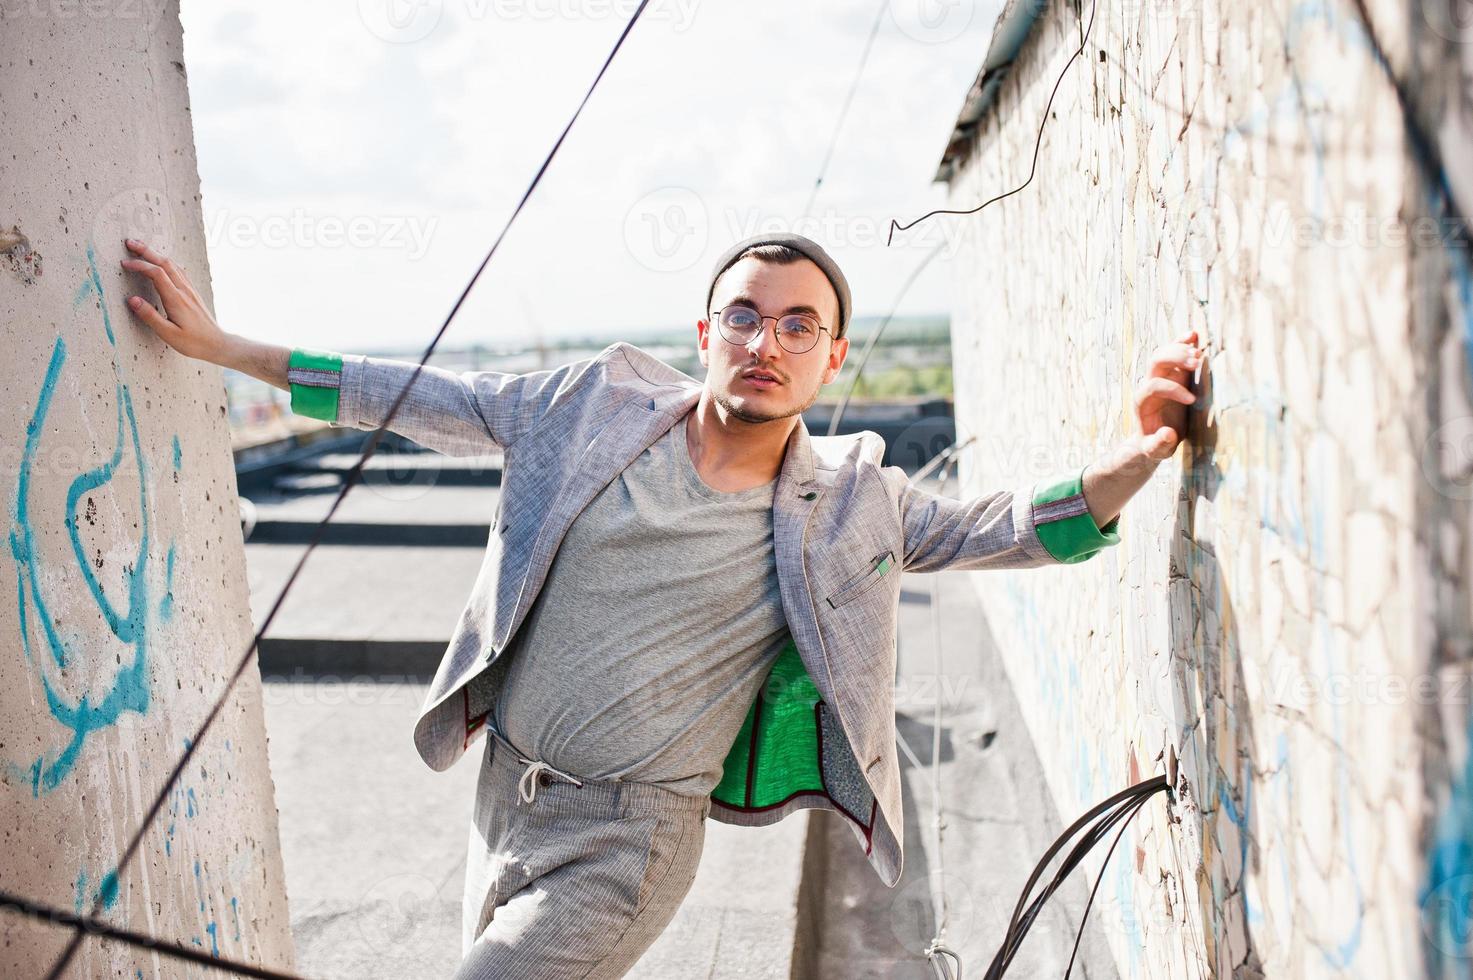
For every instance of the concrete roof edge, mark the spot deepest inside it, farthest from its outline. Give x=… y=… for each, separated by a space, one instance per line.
x=1014 y=25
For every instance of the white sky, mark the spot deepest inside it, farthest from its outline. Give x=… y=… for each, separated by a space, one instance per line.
x=417 y=124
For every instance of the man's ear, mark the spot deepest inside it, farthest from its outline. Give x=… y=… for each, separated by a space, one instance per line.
x=837 y=351
x=703 y=340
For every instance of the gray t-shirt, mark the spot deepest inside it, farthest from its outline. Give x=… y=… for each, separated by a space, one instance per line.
x=658 y=622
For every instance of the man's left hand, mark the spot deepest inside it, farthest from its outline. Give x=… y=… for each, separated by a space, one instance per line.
x=1161 y=400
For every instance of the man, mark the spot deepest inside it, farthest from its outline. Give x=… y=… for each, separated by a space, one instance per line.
x=688 y=605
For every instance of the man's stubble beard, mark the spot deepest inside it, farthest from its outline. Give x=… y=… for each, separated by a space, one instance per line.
x=725 y=401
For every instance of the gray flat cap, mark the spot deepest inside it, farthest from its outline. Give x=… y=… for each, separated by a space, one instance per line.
x=809 y=248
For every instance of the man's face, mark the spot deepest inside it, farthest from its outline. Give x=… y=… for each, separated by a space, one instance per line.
x=772 y=290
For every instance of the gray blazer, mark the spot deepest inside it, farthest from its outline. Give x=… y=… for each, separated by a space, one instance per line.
x=841 y=524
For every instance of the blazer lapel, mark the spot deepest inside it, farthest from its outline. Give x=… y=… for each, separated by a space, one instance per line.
x=798 y=493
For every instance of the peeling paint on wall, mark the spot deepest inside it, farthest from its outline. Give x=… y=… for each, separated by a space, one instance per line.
x=18 y=257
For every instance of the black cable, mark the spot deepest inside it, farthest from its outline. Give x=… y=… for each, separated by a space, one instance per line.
x=1078 y=936
x=103 y=930
x=1083 y=38
x=1014 y=940
x=1085 y=845
x=352 y=476
x=1098 y=821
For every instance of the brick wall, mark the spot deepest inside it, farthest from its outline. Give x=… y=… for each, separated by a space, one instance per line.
x=1288 y=607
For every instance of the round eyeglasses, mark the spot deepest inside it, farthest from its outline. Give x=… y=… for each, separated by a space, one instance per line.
x=796 y=332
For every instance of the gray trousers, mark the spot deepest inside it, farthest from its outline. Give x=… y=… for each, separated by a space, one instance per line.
x=577 y=880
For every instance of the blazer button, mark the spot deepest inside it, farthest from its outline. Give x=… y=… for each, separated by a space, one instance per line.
x=810 y=495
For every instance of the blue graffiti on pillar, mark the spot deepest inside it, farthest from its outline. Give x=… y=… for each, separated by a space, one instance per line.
x=104 y=695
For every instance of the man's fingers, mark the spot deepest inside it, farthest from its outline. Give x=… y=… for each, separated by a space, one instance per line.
x=172 y=272
x=1163 y=388
x=168 y=290
x=149 y=315
x=1164 y=442
x=1173 y=360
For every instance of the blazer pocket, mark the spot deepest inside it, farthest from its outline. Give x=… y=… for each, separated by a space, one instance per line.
x=880 y=566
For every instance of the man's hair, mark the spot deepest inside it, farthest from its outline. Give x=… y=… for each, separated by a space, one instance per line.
x=786 y=255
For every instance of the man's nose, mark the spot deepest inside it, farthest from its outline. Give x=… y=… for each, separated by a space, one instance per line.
x=764 y=344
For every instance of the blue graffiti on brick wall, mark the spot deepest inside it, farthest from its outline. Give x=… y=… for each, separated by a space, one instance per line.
x=61 y=668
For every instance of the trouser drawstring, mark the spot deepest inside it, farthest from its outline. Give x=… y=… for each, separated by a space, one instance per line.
x=527 y=786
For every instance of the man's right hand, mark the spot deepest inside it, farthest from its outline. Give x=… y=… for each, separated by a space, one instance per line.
x=188 y=327
x=185 y=324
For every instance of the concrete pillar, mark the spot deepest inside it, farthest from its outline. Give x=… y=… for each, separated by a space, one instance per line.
x=123 y=596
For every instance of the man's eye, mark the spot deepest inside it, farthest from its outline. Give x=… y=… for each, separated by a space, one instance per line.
x=797 y=328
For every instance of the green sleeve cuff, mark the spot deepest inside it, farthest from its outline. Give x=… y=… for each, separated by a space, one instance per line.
x=1065 y=528
x=314 y=377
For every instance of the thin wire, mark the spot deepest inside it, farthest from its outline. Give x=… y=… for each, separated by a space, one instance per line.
x=349 y=480
x=940 y=911
x=848 y=100
x=1083 y=38
x=874 y=338
x=936 y=949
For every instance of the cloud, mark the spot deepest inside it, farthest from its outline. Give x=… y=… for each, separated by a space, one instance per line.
x=304 y=106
